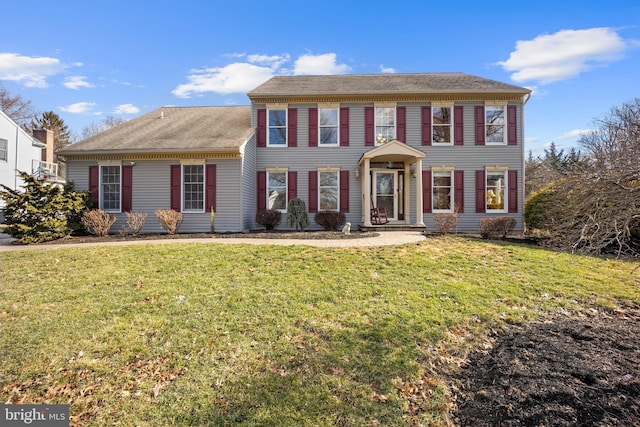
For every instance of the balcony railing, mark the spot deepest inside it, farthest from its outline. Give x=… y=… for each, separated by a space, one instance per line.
x=44 y=170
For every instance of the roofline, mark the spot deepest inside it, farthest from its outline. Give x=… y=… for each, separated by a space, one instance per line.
x=217 y=153
x=439 y=95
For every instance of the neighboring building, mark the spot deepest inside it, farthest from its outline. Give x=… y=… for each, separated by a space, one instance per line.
x=418 y=144
x=21 y=152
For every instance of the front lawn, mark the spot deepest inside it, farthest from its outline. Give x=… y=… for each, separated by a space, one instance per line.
x=211 y=334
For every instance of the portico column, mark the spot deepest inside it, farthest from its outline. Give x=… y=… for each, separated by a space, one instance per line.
x=366 y=186
x=419 y=219
x=406 y=195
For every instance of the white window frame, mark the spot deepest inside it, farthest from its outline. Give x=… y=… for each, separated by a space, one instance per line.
x=495 y=171
x=487 y=125
x=4 y=150
x=284 y=171
x=381 y=138
x=285 y=127
x=102 y=192
x=450 y=125
x=336 y=126
x=183 y=185
x=442 y=172
x=335 y=171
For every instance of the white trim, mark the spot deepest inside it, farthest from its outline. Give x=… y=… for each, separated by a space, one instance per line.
x=109 y=163
x=328 y=169
x=190 y=162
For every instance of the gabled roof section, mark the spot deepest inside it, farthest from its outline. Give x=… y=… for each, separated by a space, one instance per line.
x=172 y=129
x=384 y=86
x=393 y=150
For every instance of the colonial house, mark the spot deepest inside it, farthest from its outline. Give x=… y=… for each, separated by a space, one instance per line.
x=22 y=152
x=410 y=145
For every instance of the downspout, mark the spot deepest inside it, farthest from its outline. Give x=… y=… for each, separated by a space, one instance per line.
x=15 y=166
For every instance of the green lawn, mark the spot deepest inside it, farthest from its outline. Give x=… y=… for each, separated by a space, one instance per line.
x=212 y=334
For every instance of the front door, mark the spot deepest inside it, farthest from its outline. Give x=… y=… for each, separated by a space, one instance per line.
x=385 y=194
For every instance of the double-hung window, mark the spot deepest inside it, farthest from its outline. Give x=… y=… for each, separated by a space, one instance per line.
x=385 y=124
x=277 y=190
x=328 y=126
x=193 y=188
x=110 y=188
x=442 y=189
x=4 y=149
x=495 y=123
x=442 y=123
x=329 y=190
x=277 y=127
x=495 y=188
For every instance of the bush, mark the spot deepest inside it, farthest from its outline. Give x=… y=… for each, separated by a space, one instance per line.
x=135 y=222
x=98 y=222
x=41 y=211
x=330 y=220
x=268 y=218
x=446 y=222
x=496 y=227
x=539 y=209
x=169 y=220
x=297 y=214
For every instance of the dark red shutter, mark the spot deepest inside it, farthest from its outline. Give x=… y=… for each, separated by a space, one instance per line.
x=458 y=191
x=344 y=191
x=262 y=128
x=512 y=177
x=313 y=127
x=292 y=185
x=344 y=126
x=313 y=191
x=210 y=189
x=401 y=124
x=426 y=192
x=94 y=185
x=512 y=134
x=369 y=126
x=127 y=181
x=176 y=182
x=262 y=190
x=292 y=125
x=426 y=126
x=458 y=125
x=479 y=121
x=481 y=205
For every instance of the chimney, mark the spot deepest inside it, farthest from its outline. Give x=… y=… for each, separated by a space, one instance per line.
x=45 y=136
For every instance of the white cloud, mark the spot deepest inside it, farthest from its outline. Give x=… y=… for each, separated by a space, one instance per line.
x=565 y=54
x=126 y=109
x=78 y=107
x=576 y=133
x=76 y=82
x=319 y=65
x=387 y=70
x=242 y=76
x=27 y=70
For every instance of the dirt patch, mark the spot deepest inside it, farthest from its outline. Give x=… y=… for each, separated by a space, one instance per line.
x=563 y=371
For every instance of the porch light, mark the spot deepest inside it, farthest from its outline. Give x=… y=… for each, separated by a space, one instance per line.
x=357 y=172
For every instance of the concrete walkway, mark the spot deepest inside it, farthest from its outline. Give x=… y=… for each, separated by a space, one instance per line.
x=385 y=238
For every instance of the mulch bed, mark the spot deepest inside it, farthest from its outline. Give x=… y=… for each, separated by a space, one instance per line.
x=563 y=371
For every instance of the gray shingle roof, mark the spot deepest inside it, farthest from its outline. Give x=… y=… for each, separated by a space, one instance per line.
x=173 y=129
x=374 y=84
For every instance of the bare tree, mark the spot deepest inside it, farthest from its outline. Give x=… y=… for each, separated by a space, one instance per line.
x=17 y=108
x=104 y=124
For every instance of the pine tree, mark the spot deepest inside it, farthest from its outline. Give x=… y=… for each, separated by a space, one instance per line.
x=53 y=122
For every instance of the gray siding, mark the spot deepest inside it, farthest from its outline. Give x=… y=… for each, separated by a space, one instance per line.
x=468 y=158
x=248 y=199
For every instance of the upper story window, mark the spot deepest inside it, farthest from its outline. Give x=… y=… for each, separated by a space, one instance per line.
x=277 y=127
x=495 y=187
x=441 y=123
x=328 y=126
x=329 y=190
x=442 y=191
x=110 y=186
x=4 y=147
x=495 y=120
x=385 y=123
x=277 y=190
x=193 y=188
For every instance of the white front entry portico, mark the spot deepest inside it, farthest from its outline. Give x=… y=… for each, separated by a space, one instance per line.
x=389 y=187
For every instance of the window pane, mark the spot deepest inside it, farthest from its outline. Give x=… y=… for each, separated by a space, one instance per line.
x=494 y=115
x=328 y=117
x=441 y=133
x=329 y=190
x=328 y=179
x=3 y=149
x=193 y=178
x=495 y=190
x=328 y=126
x=442 y=191
x=328 y=136
x=495 y=134
x=110 y=188
x=494 y=124
x=277 y=117
x=441 y=115
x=277 y=127
x=277 y=190
x=277 y=136
x=385 y=116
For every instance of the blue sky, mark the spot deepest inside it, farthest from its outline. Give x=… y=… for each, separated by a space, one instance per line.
x=87 y=60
